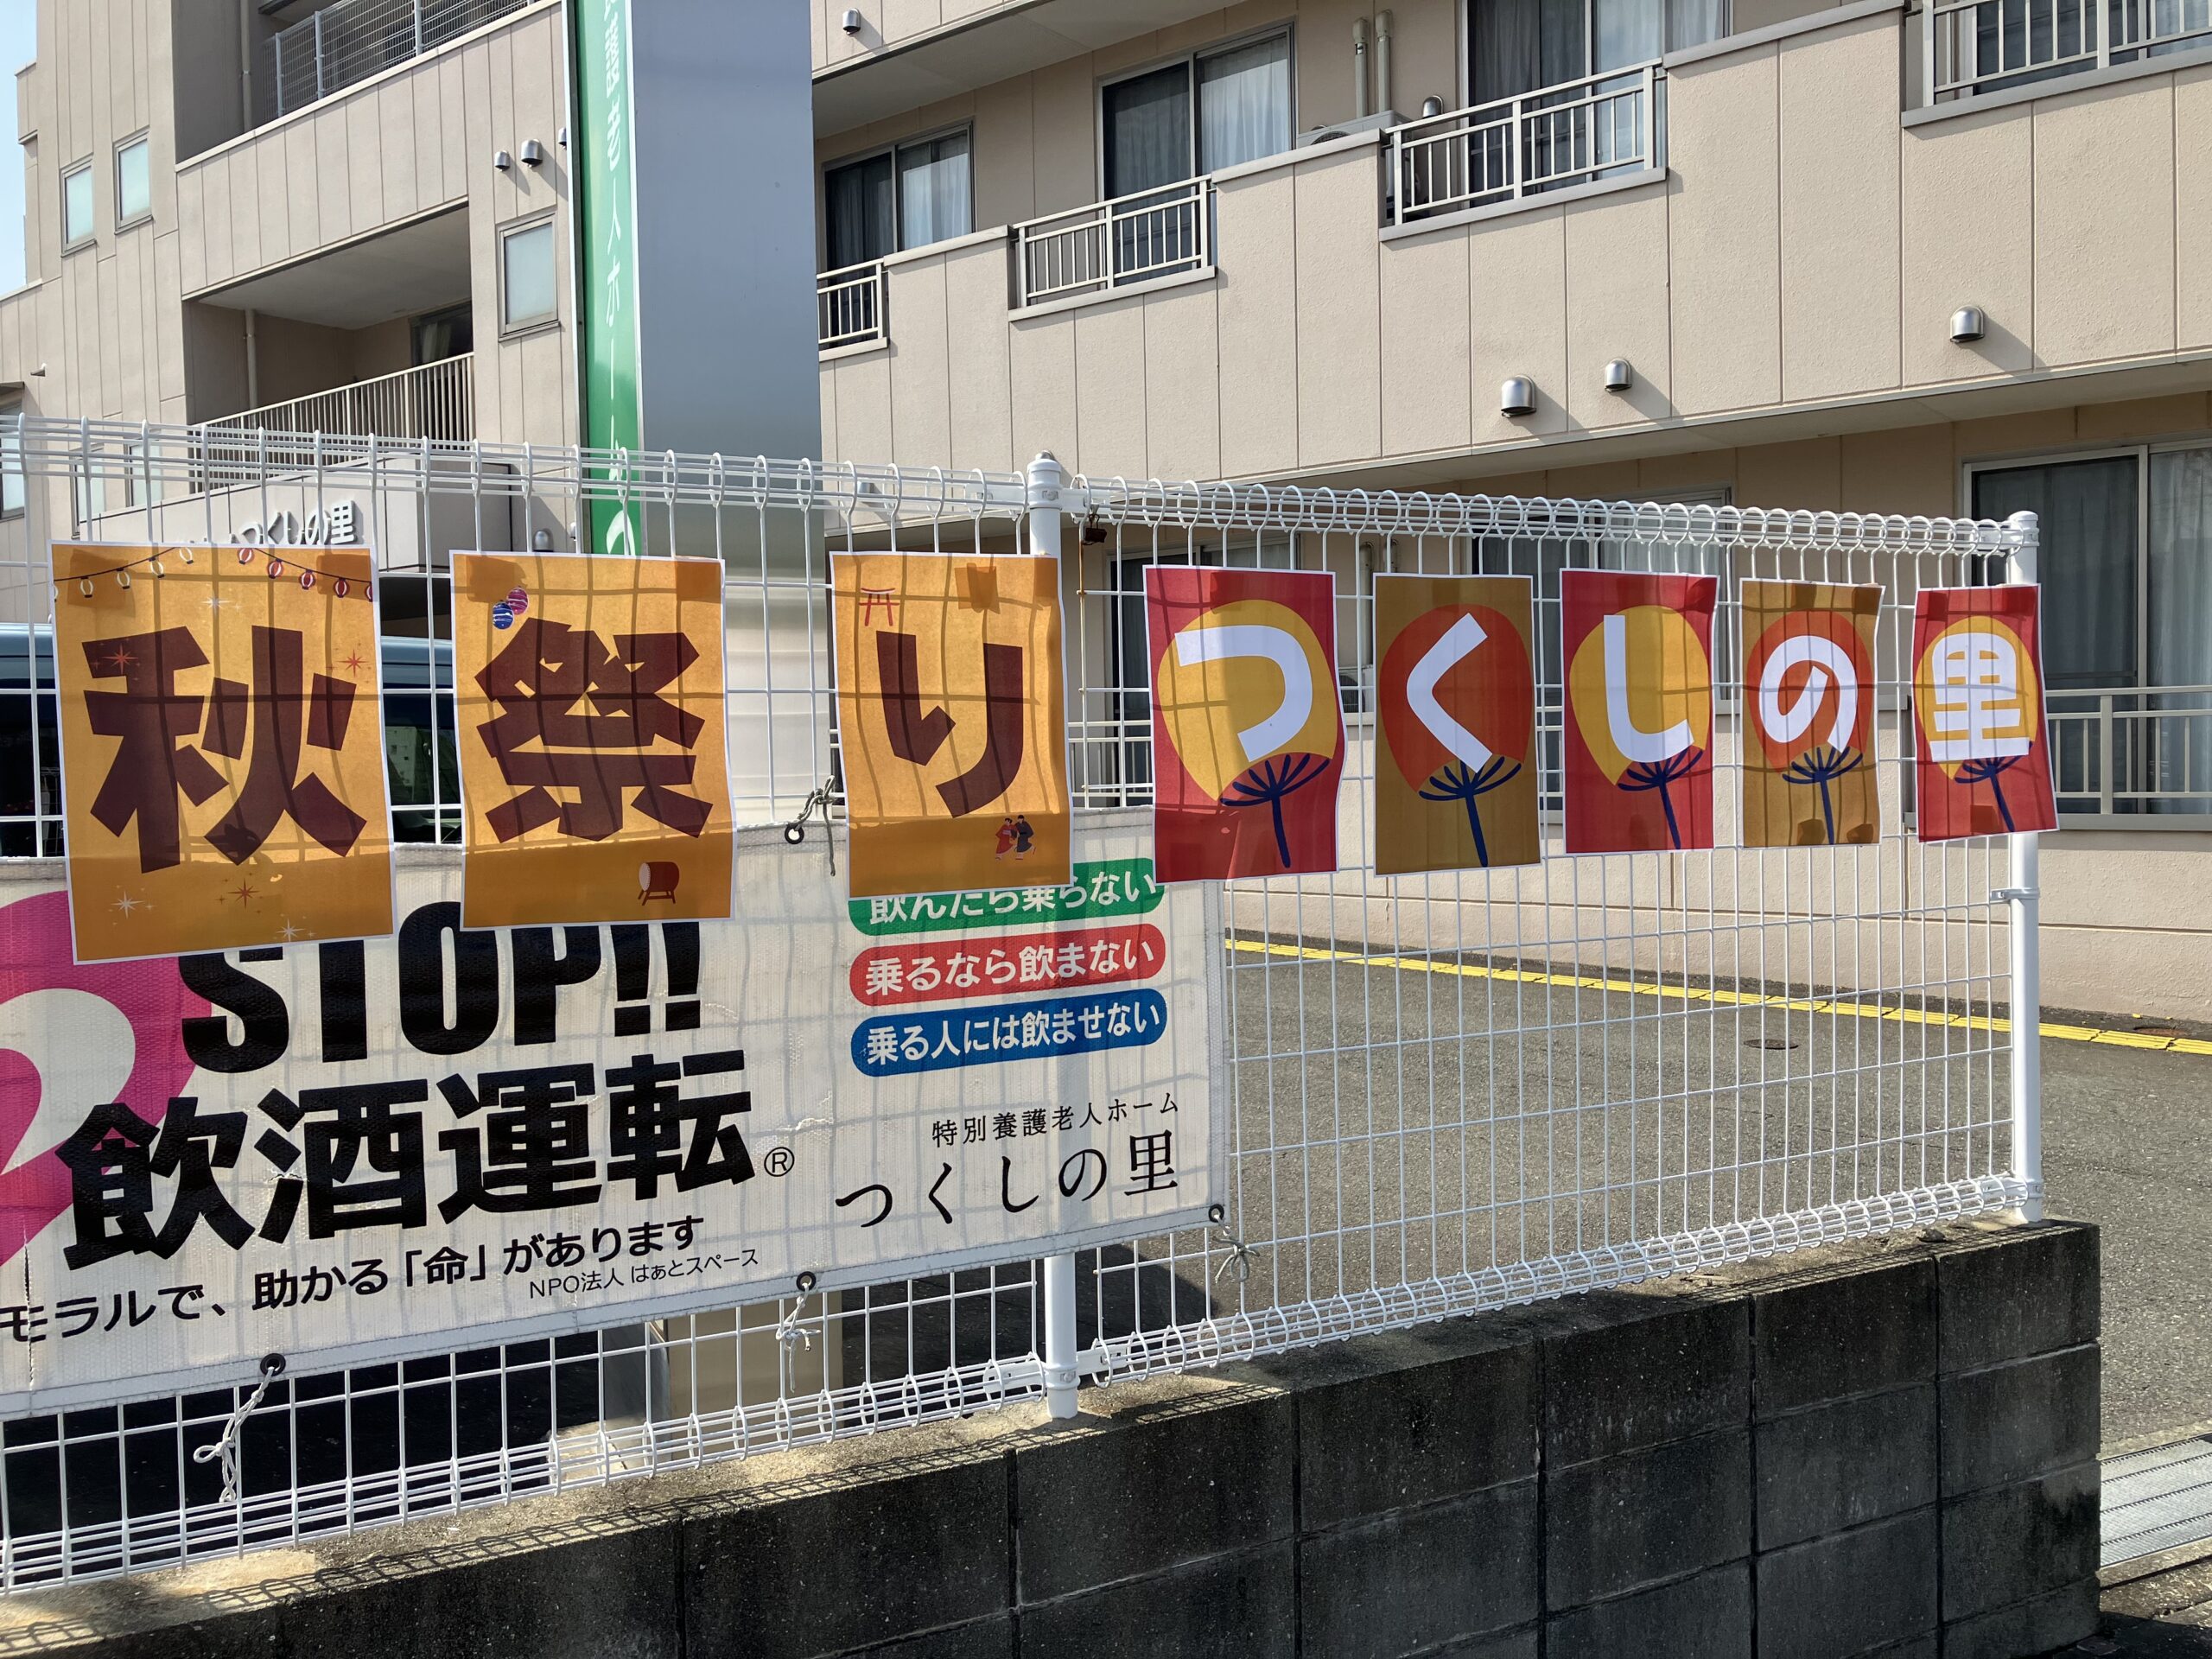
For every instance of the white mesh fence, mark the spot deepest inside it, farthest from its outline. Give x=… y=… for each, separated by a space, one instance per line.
x=1449 y=1091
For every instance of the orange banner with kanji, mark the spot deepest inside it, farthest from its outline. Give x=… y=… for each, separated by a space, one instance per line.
x=1982 y=765
x=595 y=771
x=222 y=747
x=951 y=720
x=1455 y=695
x=1809 y=777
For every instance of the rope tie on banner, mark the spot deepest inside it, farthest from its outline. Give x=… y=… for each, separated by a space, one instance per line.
x=791 y=1334
x=226 y=1446
x=1240 y=1253
x=795 y=831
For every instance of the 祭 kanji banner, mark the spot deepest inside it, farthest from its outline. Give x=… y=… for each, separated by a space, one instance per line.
x=222 y=747
x=347 y=1152
x=1247 y=742
x=1809 y=776
x=1455 y=696
x=593 y=734
x=1983 y=766
x=1638 y=650
x=951 y=720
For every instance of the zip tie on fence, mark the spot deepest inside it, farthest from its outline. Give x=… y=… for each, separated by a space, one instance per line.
x=791 y=1334
x=226 y=1446
x=795 y=831
x=1240 y=1253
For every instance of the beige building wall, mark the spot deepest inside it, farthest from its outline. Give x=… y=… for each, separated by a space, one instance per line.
x=1800 y=256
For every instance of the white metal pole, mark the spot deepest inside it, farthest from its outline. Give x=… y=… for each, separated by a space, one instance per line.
x=1046 y=477
x=2024 y=902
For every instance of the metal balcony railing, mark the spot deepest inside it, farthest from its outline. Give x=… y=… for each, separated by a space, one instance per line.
x=850 y=303
x=354 y=39
x=1493 y=152
x=1987 y=46
x=2134 y=752
x=1110 y=244
x=436 y=400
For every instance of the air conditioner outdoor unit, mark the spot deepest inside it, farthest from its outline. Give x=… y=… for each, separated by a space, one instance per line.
x=1376 y=123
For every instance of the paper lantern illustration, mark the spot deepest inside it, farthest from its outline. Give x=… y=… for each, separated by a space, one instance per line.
x=1460 y=707
x=1247 y=698
x=1641 y=687
x=1978 y=700
x=1809 y=682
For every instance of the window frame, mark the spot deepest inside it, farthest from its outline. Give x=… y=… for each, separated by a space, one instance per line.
x=143 y=139
x=90 y=235
x=1467 y=54
x=11 y=444
x=1285 y=29
x=927 y=135
x=512 y=328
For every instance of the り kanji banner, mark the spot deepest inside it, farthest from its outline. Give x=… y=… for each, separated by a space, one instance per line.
x=593 y=734
x=1983 y=766
x=1455 y=694
x=1638 y=650
x=1246 y=741
x=353 y=1151
x=222 y=746
x=952 y=720
x=1809 y=777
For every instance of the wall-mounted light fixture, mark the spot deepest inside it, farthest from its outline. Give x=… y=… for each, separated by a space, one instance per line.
x=542 y=542
x=851 y=21
x=1619 y=376
x=501 y=160
x=1517 y=397
x=533 y=154
x=1968 y=325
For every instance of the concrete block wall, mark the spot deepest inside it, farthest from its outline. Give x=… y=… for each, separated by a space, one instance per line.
x=1880 y=1449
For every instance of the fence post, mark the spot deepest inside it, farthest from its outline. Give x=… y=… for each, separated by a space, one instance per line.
x=2024 y=902
x=1046 y=478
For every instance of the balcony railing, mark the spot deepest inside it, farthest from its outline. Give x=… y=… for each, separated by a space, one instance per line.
x=850 y=304
x=1987 y=46
x=1110 y=245
x=354 y=39
x=2128 y=753
x=436 y=400
x=1569 y=134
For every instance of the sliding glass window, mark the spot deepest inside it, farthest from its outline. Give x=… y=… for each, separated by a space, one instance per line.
x=908 y=196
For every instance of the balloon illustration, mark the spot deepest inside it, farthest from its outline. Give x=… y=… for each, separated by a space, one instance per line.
x=1641 y=687
x=1248 y=699
x=1466 y=721
x=1976 y=696
x=1809 y=681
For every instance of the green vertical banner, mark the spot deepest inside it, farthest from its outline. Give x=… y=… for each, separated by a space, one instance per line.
x=607 y=349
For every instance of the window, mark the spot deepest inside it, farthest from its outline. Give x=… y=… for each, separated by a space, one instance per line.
x=30 y=746
x=438 y=336
x=134 y=196
x=1516 y=47
x=12 y=461
x=422 y=764
x=2124 y=560
x=77 y=205
x=526 y=275
x=908 y=196
x=1198 y=115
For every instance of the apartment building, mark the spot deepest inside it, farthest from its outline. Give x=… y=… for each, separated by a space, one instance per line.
x=1870 y=257
x=1855 y=258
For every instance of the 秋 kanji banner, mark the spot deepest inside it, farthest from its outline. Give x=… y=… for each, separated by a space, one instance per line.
x=1455 y=696
x=1248 y=743
x=222 y=747
x=453 y=1136
x=594 y=739
x=1809 y=776
x=1983 y=761
x=1638 y=650
x=952 y=720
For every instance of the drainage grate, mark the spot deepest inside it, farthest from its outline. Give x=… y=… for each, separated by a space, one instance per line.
x=2157 y=1500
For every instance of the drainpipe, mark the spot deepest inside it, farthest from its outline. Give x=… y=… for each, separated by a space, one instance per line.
x=252 y=362
x=1381 y=60
x=1360 y=107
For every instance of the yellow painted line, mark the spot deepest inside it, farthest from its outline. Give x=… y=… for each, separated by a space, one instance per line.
x=1739 y=999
